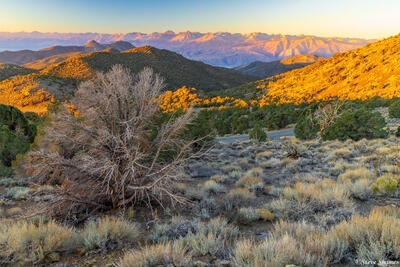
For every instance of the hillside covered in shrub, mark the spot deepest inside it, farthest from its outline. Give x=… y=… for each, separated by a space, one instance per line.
x=10 y=70
x=176 y=69
x=372 y=70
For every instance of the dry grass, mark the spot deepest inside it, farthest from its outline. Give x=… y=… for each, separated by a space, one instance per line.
x=211 y=187
x=167 y=254
x=340 y=153
x=237 y=197
x=213 y=238
x=304 y=200
x=375 y=237
x=247 y=215
x=30 y=242
x=257 y=171
x=109 y=233
x=264 y=154
x=356 y=174
x=19 y=193
x=340 y=167
x=250 y=182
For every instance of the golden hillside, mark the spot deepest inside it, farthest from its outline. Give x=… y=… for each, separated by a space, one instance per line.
x=176 y=69
x=35 y=91
x=373 y=70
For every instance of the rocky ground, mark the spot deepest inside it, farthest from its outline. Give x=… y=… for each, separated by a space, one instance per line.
x=252 y=192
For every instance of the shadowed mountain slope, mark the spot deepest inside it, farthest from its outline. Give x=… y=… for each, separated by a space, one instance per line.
x=176 y=69
x=9 y=71
x=268 y=69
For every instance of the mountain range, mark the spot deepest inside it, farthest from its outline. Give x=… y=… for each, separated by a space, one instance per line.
x=43 y=57
x=219 y=49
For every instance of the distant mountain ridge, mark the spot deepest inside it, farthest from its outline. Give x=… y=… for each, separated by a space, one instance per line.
x=35 y=59
x=268 y=69
x=219 y=49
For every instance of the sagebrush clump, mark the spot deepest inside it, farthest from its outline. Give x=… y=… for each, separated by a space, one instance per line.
x=115 y=150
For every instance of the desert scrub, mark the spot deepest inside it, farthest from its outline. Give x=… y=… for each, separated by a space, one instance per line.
x=257 y=171
x=387 y=168
x=108 y=233
x=308 y=199
x=237 y=197
x=360 y=189
x=372 y=237
x=356 y=174
x=19 y=193
x=300 y=244
x=29 y=242
x=273 y=252
x=386 y=184
x=212 y=238
x=177 y=228
x=250 y=182
x=340 y=167
x=264 y=154
x=221 y=178
x=249 y=215
x=211 y=187
x=165 y=254
x=340 y=153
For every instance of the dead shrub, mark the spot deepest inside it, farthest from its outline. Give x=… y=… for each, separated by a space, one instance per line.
x=116 y=150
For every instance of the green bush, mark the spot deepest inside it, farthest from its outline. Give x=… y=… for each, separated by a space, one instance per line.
x=306 y=128
x=16 y=134
x=398 y=132
x=385 y=185
x=257 y=133
x=356 y=124
x=201 y=130
x=394 y=109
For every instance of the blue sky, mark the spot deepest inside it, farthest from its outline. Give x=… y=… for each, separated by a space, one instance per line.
x=347 y=18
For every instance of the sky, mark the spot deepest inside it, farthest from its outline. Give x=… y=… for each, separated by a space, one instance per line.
x=344 y=18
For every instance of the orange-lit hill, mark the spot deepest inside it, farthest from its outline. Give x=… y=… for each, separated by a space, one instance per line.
x=35 y=91
x=176 y=69
x=373 y=70
x=268 y=69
